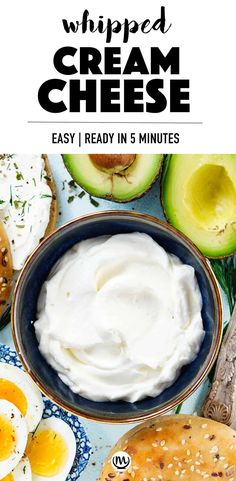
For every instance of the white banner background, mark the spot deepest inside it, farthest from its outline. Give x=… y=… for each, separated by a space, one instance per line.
x=32 y=31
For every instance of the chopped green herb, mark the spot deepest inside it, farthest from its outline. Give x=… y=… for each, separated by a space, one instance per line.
x=34 y=181
x=63 y=184
x=23 y=207
x=81 y=194
x=20 y=226
x=1 y=201
x=72 y=184
x=70 y=199
x=47 y=178
x=19 y=176
x=16 y=204
x=44 y=196
x=15 y=165
x=24 y=469
x=10 y=194
x=178 y=409
x=93 y=201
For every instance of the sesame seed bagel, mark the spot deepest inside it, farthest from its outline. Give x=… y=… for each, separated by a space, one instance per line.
x=176 y=447
x=6 y=256
x=6 y=271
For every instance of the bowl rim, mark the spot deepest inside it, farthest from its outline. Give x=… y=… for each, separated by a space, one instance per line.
x=185 y=393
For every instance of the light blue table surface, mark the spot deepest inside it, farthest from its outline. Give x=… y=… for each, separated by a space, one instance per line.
x=103 y=436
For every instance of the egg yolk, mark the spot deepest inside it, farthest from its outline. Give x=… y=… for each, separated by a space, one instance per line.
x=12 y=393
x=47 y=452
x=7 y=438
x=8 y=477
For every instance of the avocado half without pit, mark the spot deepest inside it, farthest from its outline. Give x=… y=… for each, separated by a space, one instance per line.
x=117 y=177
x=199 y=199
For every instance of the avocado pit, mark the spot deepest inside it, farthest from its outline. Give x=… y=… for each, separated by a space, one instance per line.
x=112 y=163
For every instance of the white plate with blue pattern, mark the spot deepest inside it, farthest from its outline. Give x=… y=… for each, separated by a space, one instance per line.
x=83 y=446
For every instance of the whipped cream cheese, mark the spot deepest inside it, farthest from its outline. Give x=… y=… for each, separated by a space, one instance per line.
x=118 y=317
x=25 y=201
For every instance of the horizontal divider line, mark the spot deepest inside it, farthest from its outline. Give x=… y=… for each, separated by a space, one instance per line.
x=106 y=122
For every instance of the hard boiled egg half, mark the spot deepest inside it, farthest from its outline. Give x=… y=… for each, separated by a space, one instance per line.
x=22 y=472
x=17 y=388
x=51 y=450
x=13 y=437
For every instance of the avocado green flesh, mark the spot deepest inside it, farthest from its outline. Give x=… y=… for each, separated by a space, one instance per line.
x=199 y=199
x=122 y=187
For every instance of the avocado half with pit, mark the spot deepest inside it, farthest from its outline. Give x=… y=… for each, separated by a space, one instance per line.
x=117 y=177
x=199 y=198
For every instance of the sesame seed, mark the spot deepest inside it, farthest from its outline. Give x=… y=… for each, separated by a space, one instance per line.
x=192 y=468
x=158 y=430
x=206 y=436
x=165 y=448
x=204 y=426
x=214 y=449
x=148 y=460
x=162 y=443
x=177 y=472
x=183 y=442
x=154 y=445
x=170 y=466
x=231 y=470
x=188 y=452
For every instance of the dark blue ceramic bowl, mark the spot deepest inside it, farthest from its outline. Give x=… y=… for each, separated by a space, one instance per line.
x=36 y=272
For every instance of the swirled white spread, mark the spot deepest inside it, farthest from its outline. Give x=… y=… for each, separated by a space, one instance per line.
x=118 y=318
x=25 y=200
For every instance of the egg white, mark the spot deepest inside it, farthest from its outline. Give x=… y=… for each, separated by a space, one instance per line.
x=22 y=471
x=19 y=424
x=66 y=432
x=22 y=380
